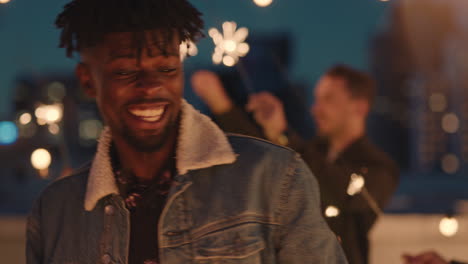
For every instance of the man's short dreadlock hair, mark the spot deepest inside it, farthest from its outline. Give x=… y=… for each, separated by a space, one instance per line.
x=85 y=22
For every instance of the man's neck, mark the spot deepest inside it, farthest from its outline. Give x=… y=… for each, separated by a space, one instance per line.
x=145 y=166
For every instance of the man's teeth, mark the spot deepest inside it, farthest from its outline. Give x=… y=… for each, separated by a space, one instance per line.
x=150 y=115
x=147 y=112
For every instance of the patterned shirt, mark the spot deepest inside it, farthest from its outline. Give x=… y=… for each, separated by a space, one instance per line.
x=145 y=201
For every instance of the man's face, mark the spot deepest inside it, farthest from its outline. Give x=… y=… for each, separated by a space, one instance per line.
x=138 y=95
x=333 y=107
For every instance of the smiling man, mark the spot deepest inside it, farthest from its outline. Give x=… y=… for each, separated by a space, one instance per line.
x=166 y=184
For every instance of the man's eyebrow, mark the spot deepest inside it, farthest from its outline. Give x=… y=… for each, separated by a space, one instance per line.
x=117 y=56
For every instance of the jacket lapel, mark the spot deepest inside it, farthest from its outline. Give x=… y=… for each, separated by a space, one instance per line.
x=201 y=144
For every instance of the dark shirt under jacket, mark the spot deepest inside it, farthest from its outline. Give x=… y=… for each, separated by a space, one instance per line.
x=356 y=217
x=145 y=201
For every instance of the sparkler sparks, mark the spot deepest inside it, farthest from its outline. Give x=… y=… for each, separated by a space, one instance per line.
x=230 y=45
x=188 y=49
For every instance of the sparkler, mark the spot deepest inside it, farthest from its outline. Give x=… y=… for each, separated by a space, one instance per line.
x=357 y=186
x=230 y=45
x=188 y=48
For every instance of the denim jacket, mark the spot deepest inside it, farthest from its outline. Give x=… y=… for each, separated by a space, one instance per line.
x=234 y=200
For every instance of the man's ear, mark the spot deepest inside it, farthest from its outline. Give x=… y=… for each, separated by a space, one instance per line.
x=83 y=73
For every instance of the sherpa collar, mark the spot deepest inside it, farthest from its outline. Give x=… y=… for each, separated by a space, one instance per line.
x=201 y=144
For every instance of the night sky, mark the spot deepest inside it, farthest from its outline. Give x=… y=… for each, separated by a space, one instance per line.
x=323 y=33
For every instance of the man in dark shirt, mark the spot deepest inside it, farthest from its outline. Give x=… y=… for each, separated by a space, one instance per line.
x=343 y=98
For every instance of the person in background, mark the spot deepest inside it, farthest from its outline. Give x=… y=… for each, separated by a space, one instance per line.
x=343 y=99
x=231 y=118
x=428 y=257
x=166 y=184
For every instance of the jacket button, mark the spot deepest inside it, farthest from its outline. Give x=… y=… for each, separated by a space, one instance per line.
x=109 y=210
x=106 y=259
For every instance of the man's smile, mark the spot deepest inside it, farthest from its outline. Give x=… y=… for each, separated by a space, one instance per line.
x=148 y=112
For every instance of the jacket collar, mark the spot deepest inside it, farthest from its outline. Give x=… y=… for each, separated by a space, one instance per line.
x=201 y=144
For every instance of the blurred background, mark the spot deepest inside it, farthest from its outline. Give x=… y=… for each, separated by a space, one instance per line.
x=416 y=49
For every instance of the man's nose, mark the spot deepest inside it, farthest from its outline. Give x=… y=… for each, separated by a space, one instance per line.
x=149 y=83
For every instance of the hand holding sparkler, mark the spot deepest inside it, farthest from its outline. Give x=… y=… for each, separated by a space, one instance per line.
x=357 y=186
x=208 y=87
x=269 y=113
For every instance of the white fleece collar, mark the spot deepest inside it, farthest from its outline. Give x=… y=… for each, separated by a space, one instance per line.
x=201 y=144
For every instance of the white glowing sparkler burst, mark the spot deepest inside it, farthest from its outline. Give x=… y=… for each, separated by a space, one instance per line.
x=188 y=48
x=230 y=45
x=356 y=184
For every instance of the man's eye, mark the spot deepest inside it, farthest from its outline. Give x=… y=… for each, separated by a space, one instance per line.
x=125 y=73
x=167 y=70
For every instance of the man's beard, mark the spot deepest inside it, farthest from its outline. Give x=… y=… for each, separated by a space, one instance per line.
x=149 y=143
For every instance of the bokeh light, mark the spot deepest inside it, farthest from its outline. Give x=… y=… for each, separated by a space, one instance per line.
x=53 y=115
x=41 y=159
x=8 y=133
x=54 y=129
x=4 y=1
x=56 y=91
x=25 y=118
x=90 y=129
x=49 y=114
x=450 y=123
x=450 y=163
x=437 y=102
x=332 y=211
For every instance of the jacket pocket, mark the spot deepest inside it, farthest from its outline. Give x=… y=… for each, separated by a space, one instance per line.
x=231 y=245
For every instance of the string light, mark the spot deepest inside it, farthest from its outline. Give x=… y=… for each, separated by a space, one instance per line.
x=229 y=45
x=448 y=226
x=263 y=3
